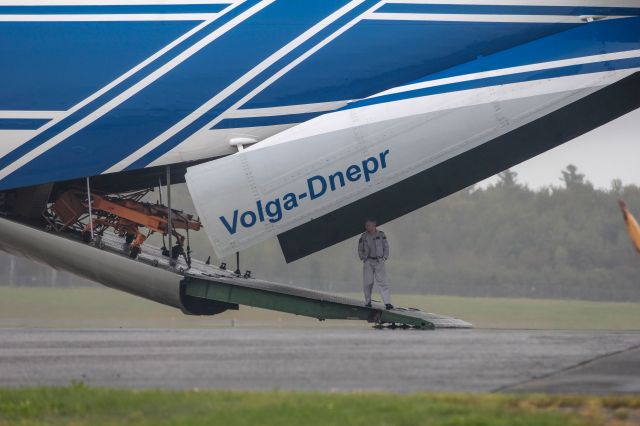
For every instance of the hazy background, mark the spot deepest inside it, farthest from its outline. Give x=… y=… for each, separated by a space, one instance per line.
x=538 y=231
x=609 y=152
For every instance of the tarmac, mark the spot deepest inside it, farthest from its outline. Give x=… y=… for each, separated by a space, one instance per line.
x=324 y=359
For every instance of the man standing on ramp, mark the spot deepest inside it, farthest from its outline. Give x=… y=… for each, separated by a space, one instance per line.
x=373 y=249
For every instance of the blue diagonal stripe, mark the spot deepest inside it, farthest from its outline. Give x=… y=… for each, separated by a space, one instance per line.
x=621 y=35
x=118 y=89
x=472 y=9
x=500 y=80
x=245 y=122
x=22 y=123
x=111 y=9
x=176 y=94
x=231 y=100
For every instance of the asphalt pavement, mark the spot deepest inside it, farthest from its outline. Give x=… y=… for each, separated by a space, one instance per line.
x=324 y=359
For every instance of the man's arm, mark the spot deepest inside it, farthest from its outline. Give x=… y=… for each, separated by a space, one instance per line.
x=385 y=246
x=361 y=248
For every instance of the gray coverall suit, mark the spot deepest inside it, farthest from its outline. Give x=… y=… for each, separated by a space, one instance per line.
x=373 y=250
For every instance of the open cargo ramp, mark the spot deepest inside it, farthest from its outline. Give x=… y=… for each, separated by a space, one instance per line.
x=221 y=287
x=309 y=303
x=201 y=289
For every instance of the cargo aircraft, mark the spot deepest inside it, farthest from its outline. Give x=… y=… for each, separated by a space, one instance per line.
x=292 y=119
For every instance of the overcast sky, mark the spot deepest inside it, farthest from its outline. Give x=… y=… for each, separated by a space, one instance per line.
x=609 y=152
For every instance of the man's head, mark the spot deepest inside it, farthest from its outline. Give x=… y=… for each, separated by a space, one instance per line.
x=370 y=225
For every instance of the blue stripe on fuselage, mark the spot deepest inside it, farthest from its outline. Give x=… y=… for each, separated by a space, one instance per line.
x=37 y=81
x=231 y=100
x=54 y=65
x=476 y=9
x=117 y=134
x=112 y=9
x=616 y=35
x=115 y=91
x=274 y=120
x=500 y=80
x=178 y=93
x=378 y=55
x=22 y=123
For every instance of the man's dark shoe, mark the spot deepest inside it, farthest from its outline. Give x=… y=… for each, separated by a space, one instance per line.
x=367 y=305
x=389 y=306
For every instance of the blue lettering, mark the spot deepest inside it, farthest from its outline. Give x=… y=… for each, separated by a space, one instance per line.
x=323 y=187
x=290 y=201
x=233 y=227
x=383 y=158
x=260 y=212
x=248 y=223
x=273 y=210
x=369 y=166
x=274 y=214
x=332 y=180
x=353 y=173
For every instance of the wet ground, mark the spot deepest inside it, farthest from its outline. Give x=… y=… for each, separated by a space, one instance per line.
x=318 y=359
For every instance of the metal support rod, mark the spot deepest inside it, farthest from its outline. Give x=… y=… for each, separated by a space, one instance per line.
x=169 y=214
x=90 y=211
x=238 y=263
x=12 y=270
x=160 y=189
x=164 y=243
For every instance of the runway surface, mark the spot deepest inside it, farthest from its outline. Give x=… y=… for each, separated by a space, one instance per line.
x=325 y=359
